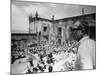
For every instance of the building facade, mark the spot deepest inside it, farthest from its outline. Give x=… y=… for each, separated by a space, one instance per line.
x=56 y=31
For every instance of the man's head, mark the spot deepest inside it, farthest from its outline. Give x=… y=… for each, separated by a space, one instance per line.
x=78 y=31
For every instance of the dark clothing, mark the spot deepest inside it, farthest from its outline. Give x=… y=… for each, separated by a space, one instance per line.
x=50 y=58
x=31 y=63
x=35 y=70
x=50 y=68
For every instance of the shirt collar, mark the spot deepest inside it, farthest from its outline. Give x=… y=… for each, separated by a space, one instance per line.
x=84 y=38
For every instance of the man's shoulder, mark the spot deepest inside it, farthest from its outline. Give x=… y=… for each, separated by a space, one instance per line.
x=87 y=43
x=87 y=40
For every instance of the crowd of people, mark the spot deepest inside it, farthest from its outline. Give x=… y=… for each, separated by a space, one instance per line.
x=46 y=58
x=75 y=55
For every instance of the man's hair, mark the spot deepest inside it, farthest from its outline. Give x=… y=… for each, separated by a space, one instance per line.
x=83 y=28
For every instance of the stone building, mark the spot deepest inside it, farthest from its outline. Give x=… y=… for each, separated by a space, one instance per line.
x=57 y=31
x=54 y=31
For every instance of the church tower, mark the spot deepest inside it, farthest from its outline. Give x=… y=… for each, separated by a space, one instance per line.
x=36 y=14
x=30 y=20
x=33 y=23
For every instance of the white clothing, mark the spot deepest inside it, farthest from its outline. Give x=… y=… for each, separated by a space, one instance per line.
x=86 y=51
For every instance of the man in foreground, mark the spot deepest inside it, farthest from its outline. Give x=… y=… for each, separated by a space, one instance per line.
x=86 y=49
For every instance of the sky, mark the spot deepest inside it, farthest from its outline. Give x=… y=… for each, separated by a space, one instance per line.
x=20 y=10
